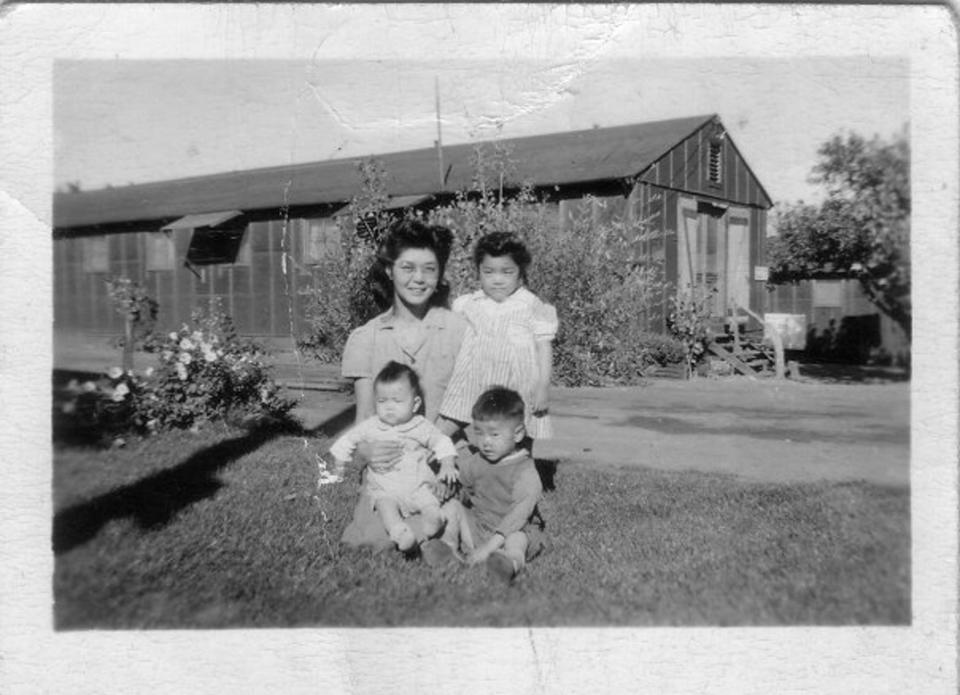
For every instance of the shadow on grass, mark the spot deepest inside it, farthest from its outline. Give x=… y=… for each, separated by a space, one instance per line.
x=153 y=501
x=841 y=373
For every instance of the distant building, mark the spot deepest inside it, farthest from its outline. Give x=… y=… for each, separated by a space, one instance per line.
x=252 y=238
x=840 y=323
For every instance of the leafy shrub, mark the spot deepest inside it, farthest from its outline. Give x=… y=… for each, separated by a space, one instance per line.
x=339 y=300
x=207 y=372
x=137 y=308
x=102 y=408
x=588 y=269
x=689 y=322
x=341 y=296
x=661 y=350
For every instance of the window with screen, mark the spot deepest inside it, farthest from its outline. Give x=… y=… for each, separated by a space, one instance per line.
x=160 y=251
x=828 y=293
x=96 y=254
x=321 y=241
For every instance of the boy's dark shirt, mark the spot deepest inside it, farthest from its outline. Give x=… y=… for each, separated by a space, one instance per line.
x=502 y=496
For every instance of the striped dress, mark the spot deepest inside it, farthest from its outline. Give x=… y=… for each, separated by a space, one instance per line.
x=499 y=349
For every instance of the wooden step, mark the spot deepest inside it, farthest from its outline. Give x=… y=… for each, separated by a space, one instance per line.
x=731 y=359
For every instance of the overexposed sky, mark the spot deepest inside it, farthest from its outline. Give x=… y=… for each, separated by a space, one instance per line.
x=303 y=83
x=121 y=121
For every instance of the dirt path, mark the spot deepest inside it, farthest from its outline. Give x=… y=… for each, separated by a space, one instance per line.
x=764 y=429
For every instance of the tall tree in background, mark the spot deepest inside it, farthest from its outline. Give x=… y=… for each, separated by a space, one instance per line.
x=861 y=230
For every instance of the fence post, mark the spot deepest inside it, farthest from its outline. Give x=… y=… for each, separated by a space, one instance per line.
x=735 y=326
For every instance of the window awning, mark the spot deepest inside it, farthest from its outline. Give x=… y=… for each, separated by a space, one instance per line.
x=206 y=219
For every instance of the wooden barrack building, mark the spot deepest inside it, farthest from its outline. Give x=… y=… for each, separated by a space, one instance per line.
x=252 y=238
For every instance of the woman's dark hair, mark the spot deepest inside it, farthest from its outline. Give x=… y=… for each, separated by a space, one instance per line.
x=410 y=234
x=498 y=244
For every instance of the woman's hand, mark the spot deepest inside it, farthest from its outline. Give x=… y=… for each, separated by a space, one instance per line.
x=379 y=455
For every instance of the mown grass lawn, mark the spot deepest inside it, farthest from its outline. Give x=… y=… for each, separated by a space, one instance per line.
x=227 y=529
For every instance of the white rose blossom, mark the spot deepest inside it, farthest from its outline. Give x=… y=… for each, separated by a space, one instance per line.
x=115 y=372
x=120 y=392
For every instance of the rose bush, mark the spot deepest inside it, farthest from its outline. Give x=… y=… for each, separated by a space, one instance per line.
x=204 y=372
x=104 y=407
x=207 y=372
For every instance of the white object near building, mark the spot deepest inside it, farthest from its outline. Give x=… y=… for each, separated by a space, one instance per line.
x=792 y=329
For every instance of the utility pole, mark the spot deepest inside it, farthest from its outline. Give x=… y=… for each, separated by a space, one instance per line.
x=439 y=140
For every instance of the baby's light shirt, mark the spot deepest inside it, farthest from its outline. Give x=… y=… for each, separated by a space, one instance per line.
x=416 y=434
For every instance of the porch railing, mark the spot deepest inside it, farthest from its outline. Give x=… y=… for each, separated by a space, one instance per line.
x=771 y=330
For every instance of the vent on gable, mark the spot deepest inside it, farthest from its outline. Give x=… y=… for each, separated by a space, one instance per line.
x=715 y=163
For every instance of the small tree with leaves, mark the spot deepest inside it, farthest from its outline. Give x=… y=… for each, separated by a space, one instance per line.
x=138 y=309
x=862 y=228
x=588 y=269
x=341 y=295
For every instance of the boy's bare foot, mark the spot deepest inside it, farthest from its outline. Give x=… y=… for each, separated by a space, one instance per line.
x=436 y=553
x=501 y=567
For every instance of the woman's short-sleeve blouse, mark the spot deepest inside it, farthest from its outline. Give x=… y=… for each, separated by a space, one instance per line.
x=373 y=344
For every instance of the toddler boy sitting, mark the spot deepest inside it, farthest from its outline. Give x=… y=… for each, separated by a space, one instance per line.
x=497 y=521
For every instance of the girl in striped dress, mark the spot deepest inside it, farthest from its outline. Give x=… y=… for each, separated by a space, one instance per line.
x=509 y=342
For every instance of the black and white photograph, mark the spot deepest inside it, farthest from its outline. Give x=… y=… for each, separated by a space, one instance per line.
x=553 y=348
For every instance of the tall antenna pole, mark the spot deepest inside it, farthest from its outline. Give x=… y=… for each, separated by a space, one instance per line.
x=439 y=140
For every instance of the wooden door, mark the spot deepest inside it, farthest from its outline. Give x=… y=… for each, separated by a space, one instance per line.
x=702 y=252
x=738 y=257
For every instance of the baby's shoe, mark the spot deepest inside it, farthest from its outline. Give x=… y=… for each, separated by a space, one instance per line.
x=403 y=536
x=502 y=567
